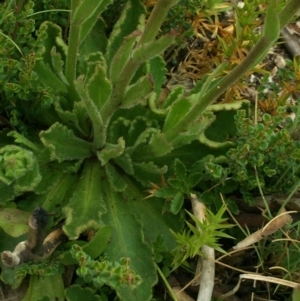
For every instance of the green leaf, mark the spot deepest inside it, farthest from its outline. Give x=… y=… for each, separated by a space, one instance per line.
x=111 y=151
x=26 y=142
x=137 y=92
x=17 y=163
x=7 y=193
x=115 y=178
x=14 y=221
x=63 y=144
x=86 y=205
x=93 y=248
x=126 y=25
x=125 y=162
x=180 y=170
x=29 y=181
x=194 y=131
x=157 y=69
x=159 y=145
x=127 y=241
x=175 y=95
x=99 y=87
x=177 y=202
x=40 y=287
x=48 y=78
x=90 y=18
x=177 y=112
x=78 y=293
x=166 y=192
x=58 y=190
x=77 y=117
x=150 y=167
x=149 y=50
x=85 y=10
x=122 y=56
x=57 y=64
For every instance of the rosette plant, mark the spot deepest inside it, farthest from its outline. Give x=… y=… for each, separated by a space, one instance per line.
x=104 y=137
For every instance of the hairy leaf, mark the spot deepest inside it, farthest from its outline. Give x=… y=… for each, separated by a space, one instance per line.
x=122 y=56
x=111 y=151
x=127 y=241
x=127 y=23
x=137 y=92
x=177 y=112
x=115 y=178
x=149 y=50
x=86 y=205
x=63 y=144
x=99 y=87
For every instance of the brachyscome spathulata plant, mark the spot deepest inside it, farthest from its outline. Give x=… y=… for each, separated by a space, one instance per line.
x=107 y=137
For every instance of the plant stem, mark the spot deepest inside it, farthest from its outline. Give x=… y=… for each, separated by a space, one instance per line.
x=157 y=17
x=286 y=15
x=119 y=90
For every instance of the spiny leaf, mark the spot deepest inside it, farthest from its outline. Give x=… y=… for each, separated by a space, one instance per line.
x=63 y=144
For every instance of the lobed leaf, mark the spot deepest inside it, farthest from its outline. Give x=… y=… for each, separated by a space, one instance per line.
x=111 y=151
x=99 y=87
x=63 y=144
